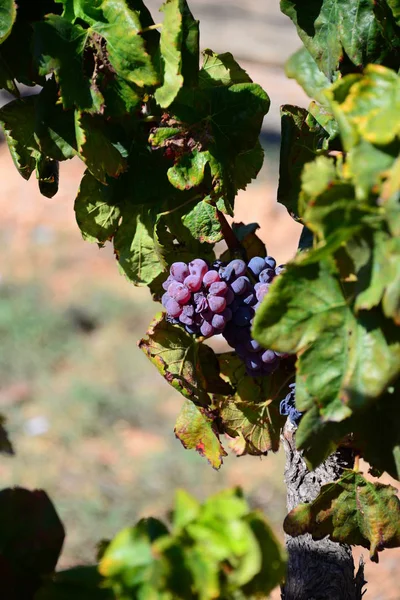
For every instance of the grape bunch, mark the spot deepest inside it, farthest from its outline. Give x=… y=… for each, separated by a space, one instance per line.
x=287 y=406
x=223 y=299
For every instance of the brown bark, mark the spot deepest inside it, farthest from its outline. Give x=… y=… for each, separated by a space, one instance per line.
x=317 y=570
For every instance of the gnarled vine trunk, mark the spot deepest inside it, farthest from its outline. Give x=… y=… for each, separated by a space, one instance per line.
x=317 y=570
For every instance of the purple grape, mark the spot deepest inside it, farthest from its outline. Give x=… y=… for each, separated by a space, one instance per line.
x=216 y=303
x=253 y=346
x=168 y=282
x=227 y=314
x=211 y=277
x=193 y=283
x=253 y=362
x=179 y=292
x=198 y=267
x=173 y=308
x=250 y=300
x=165 y=298
x=256 y=265
x=187 y=314
x=179 y=271
x=192 y=329
x=206 y=329
x=262 y=291
x=270 y=262
x=200 y=302
x=242 y=316
x=268 y=356
x=240 y=285
x=219 y=288
x=267 y=276
x=238 y=267
x=279 y=269
x=229 y=296
x=207 y=315
x=218 y=322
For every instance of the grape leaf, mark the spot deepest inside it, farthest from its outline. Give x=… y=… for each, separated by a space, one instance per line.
x=203 y=223
x=332 y=30
x=80 y=583
x=100 y=154
x=54 y=127
x=8 y=14
x=134 y=246
x=247 y=166
x=194 y=428
x=188 y=365
x=367 y=105
x=379 y=279
x=59 y=49
x=47 y=174
x=97 y=210
x=31 y=537
x=179 y=48
x=344 y=363
x=126 y=48
x=395 y=8
x=17 y=119
x=351 y=511
x=302 y=138
x=252 y=412
x=188 y=172
x=221 y=69
x=302 y=67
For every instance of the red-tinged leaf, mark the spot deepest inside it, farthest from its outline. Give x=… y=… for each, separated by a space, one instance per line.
x=351 y=511
x=194 y=428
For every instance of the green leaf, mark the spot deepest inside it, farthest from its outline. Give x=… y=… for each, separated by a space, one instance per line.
x=221 y=69
x=333 y=30
x=179 y=47
x=59 y=49
x=186 y=510
x=80 y=583
x=18 y=122
x=47 y=174
x=188 y=172
x=54 y=127
x=367 y=106
x=380 y=278
x=395 y=8
x=247 y=166
x=203 y=223
x=273 y=558
x=188 y=365
x=97 y=150
x=302 y=67
x=31 y=537
x=344 y=363
x=252 y=412
x=351 y=511
x=126 y=48
x=194 y=428
x=302 y=139
x=8 y=14
x=96 y=209
x=128 y=560
x=134 y=246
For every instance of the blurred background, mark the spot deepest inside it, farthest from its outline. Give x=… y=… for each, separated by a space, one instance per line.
x=90 y=419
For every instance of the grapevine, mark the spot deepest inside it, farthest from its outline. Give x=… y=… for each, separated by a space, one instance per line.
x=168 y=136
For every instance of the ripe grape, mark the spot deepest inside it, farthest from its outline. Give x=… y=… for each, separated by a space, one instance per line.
x=179 y=271
x=287 y=406
x=222 y=299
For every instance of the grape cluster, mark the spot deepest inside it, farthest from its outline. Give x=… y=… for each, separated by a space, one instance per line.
x=287 y=406
x=223 y=299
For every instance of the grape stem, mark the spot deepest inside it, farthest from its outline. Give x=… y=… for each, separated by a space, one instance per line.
x=230 y=238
